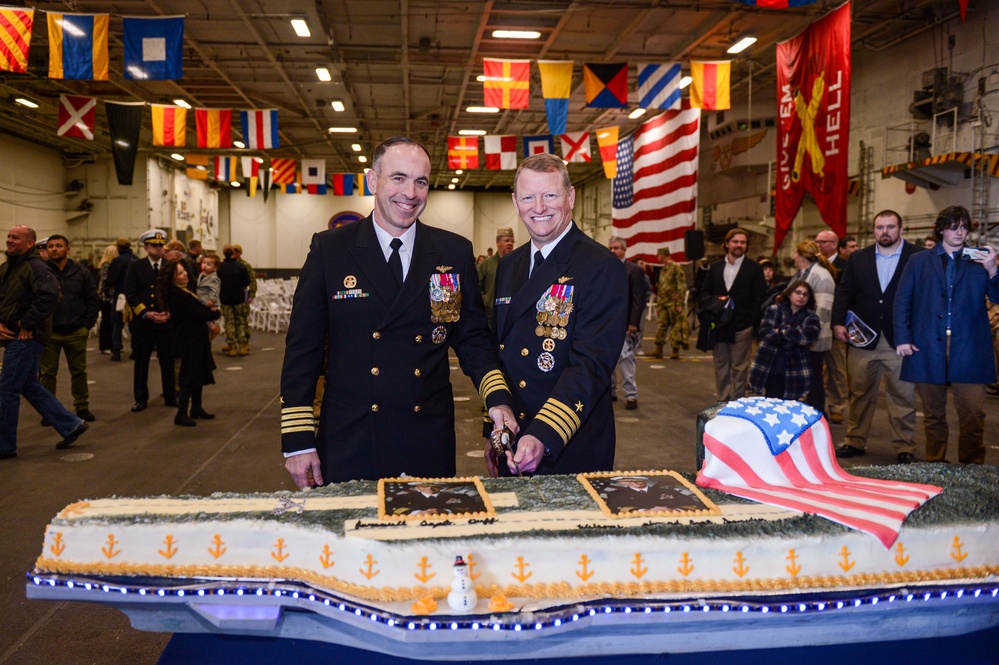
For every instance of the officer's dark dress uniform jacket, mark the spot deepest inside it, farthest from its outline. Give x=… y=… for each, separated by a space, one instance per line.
x=388 y=406
x=143 y=296
x=569 y=406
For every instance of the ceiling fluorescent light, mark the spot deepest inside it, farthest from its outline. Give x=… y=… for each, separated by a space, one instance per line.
x=472 y=132
x=516 y=34
x=26 y=102
x=481 y=109
x=450 y=186
x=234 y=183
x=239 y=144
x=323 y=74
x=458 y=172
x=637 y=113
x=455 y=180
x=179 y=157
x=741 y=45
x=685 y=81
x=356 y=147
x=342 y=130
x=337 y=106
x=362 y=159
x=182 y=103
x=300 y=27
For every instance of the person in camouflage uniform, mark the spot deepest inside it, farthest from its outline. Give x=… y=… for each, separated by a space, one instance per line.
x=237 y=288
x=251 y=293
x=670 y=297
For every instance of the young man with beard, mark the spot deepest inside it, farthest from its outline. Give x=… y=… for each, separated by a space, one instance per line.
x=867 y=288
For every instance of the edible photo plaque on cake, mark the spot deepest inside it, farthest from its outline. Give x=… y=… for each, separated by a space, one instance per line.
x=432 y=498
x=659 y=493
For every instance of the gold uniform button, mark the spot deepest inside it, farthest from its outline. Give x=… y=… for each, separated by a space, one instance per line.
x=376 y=335
x=502 y=346
x=522 y=384
x=419 y=338
x=417 y=372
x=374 y=407
x=524 y=352
x=375 y=371
x=522 y=415
x=416 y=409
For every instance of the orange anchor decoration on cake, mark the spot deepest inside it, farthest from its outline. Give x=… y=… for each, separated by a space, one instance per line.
x=280 y=555
x=423 y=575
x=109 y=550
x=901 y=558
x=74 y=509
x=957 y=554
x=471 y=567
x=58 y=544
x=217 y=550
x=740 y=568
x=325 y=558
x=686 y=565
x=793 y=567
x=520 y=575
x=638 y=569
x=845 y=564
x=370 y=563
x=170 y=549
x=584 y=573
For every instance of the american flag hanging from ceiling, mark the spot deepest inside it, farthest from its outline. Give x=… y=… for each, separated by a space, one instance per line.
x=655 y=191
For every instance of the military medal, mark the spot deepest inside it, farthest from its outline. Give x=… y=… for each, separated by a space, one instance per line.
x=548 y=345
x=546 y=362
x=445 y=298
x=439 y=335
x=540 y=331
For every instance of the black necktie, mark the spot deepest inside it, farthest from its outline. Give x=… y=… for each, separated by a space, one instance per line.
x=538 y=260
x=156 y=269
x=395 y=263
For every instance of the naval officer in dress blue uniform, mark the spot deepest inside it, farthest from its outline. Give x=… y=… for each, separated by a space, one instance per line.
x=151 y=324
x=560 y=318
x=382 y=300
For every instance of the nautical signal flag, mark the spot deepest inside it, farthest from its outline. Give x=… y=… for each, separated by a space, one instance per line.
x=606 y=85
x=507 y=83
x=15 y=38
x=124 y=123
x=462 y=152
x=225 y=168
x=534 y=145
x=197 y=167
x=501 y=151
x=251 y=173
x=260 y=129
x=556 y=86
x=607 y=140
x=710 y=86
x=659 y=86
x=362 y=185
x=169 y=125
x=76 y=117
x=154 y=48
x=314 y=175
x=214 y=128
x=78 y=46
x=342 y=183
x=576 y=147
x=283 y=170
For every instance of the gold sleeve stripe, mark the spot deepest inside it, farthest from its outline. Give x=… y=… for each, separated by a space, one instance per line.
x=139 y=309
x=290 y=430
x=554 y=416
x=558 y=427
x=296 y=409
x=566 y=412
x=290 y=422
x=492 y=382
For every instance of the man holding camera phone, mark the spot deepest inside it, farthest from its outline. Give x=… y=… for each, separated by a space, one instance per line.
x=942 y=333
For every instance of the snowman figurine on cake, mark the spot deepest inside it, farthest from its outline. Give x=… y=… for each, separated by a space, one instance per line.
x=462 y=597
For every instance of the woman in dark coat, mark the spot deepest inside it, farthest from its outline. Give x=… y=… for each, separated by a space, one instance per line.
x=782 y=366
x=190 y=320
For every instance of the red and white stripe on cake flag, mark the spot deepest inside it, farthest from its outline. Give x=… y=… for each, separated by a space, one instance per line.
x=804 y=477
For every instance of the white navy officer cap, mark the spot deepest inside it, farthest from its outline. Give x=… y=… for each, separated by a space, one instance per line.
x=42 y=243
x=153 y=237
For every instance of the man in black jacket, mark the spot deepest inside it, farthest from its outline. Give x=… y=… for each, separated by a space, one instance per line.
x=739 y=279
x=235 y=280
x=74 y=316
x=116 y=281
x=637 y=295
x=867 y=288
x=28 y=296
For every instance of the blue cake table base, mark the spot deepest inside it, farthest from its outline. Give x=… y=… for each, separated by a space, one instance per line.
x=608 y=627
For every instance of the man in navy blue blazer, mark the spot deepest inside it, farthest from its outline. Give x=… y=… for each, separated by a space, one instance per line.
x=942 y=333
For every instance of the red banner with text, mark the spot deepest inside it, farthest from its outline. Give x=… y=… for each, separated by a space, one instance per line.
x=813 y=129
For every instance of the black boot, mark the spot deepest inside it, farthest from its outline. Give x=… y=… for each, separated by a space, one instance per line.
x=183 y=399
x=197 y=411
